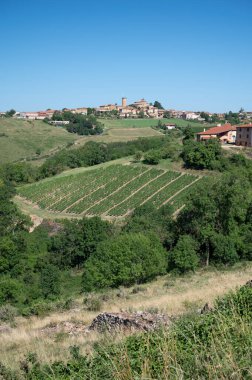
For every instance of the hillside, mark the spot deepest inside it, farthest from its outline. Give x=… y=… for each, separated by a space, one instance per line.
x=110 y=191
x=20 y=139
x=50 y=336
x=143 y=123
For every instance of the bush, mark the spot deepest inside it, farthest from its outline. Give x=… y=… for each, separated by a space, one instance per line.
x=183 y=257
x=49 y=281
x=199 y=155
x=125 y=260
x=153 y=157
x=7 y=313
x=92 y=302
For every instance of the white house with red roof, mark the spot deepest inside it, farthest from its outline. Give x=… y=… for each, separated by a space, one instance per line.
x=225 y=133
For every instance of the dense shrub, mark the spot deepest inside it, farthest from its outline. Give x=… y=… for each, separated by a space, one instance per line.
x=124 y=260
x=77 y=241
x=183 y=257
x=199 y=155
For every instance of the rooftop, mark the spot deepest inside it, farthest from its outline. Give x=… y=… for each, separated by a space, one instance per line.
x=218 y=130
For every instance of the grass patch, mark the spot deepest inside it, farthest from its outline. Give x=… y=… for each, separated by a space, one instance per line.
x=24 y=139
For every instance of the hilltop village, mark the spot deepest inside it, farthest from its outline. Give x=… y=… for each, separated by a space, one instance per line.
x=231 y=128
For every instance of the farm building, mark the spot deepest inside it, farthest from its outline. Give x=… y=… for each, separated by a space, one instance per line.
x=225 y=133
x=170 y=126
x=244 y=135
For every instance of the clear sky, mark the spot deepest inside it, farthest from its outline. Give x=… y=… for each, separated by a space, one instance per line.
x=188 y=54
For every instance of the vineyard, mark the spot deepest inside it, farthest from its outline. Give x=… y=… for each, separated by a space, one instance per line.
x=114 y=191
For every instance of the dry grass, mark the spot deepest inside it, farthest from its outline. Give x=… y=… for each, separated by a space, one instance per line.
x=171 y=295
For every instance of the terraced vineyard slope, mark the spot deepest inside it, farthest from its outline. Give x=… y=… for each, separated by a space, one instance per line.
x=111 y=192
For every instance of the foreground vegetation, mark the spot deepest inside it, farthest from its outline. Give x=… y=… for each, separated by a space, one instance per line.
x=215 y=345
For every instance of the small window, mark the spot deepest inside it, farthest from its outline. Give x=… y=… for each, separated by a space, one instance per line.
x=247 y=129
x=247 y=136
x=240 y=136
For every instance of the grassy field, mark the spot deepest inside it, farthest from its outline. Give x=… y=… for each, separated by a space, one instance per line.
x=119 y=134
x=20 y=139
x=111 y=192
x=51 y=336
x=143 y=123
x=23 y=140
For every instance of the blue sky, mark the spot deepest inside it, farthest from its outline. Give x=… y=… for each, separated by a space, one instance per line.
x=187 y=54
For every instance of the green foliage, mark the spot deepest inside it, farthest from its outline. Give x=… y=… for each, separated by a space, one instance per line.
x=78 y=241
x=49 y=281
x=217 y=216
x=198 y=155
x=11 y=291
x=158 y=105
x=152 y=157
x=215 y=345
x=188 y=134
x=84 y=125
x=138 y=156
x=124 y=260
x=10 y=113
x=183 y=257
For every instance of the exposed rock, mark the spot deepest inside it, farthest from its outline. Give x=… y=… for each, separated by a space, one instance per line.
x=125 y=321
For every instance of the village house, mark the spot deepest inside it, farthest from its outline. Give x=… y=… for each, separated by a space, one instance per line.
x=225 y=133
x=244 y=135
x=189 y=115
x=80 y=111
x=170 y=126
x=39 y=115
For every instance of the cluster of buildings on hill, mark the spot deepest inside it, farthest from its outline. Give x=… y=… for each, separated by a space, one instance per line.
x=227 y=133
x=140 y=108
x=133 y=110
x=235 y=134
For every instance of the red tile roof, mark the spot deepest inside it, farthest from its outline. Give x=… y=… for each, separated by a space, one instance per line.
x=245 y=126
x=218 y=130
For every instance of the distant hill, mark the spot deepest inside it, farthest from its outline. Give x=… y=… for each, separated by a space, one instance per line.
x=21 y=139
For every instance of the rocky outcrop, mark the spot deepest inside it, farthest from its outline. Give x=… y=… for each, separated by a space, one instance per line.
x=142 y=321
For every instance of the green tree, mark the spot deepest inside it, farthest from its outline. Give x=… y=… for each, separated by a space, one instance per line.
x=200 y=155
x=124 y=260
x=138 y=156
x=10 y=113
x=78 y=241
x=152 y=157
x=183 y=257
x=188 y=134
x=158 y=105
x=49 y=281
